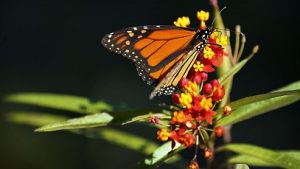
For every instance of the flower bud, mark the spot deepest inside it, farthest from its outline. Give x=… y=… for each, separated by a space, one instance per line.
x=227 y=110
x=197 y=78
x=215 y=83
x=193 y=165
x=218 y=93
x=183 y=82
x=154 y=120
x=175 y=98
x=219 y=131
x=208 y=153
x=207 y=89
x=204 y=76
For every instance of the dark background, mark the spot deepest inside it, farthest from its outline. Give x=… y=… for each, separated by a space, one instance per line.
x=54 y=46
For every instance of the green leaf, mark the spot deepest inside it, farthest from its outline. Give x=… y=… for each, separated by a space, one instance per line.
x=241 y=166
x=116 y=137
x=59 y=101
x=255 y=105
x=261 y=97
x=94 y=120
x=120 y=138
x=229 y=74
x=291 y=86
x=253 y=161
x=277 y=159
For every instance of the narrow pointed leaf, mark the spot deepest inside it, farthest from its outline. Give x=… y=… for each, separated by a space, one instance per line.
x=255 y=105
x=94 y=120
x=116 y=137
x=266 y=155
x=261 y=97
x=59 y=101
x=291 y=86
x=253 y=161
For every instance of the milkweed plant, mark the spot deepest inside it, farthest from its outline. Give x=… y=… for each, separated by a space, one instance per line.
x=201 y=112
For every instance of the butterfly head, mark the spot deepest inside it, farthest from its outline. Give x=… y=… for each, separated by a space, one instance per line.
x=202 y=36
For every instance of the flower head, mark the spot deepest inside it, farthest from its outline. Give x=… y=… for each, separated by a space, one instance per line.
x=196 y=97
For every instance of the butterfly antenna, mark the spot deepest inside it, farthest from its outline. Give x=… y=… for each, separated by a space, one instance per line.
x=218 y=15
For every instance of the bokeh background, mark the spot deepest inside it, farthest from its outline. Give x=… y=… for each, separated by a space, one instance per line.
x=54 y=46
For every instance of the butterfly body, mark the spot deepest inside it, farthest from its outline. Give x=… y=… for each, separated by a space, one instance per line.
x=162 y=54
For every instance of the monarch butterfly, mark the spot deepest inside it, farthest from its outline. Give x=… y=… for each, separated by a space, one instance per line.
x=163 y=54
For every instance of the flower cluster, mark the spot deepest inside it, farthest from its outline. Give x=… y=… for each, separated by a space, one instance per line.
x=197 y=95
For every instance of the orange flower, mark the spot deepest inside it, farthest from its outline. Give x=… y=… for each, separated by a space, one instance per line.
x=178 y=117
x=163 y=134
x=187 y=139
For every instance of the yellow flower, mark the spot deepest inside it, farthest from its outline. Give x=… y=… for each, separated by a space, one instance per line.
x=182 y=22
x=222 y=41
x=208 y=53
x=206 y=104
x=198 y=66
x=214 y=35
x=186 y=100
x=163 y=134
x=192 y=87
x=202 y=16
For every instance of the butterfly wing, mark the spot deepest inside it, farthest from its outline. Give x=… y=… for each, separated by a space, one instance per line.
x=154 y=49
x=169 y=82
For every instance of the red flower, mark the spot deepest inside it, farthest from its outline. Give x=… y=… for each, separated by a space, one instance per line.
x=207 y=115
